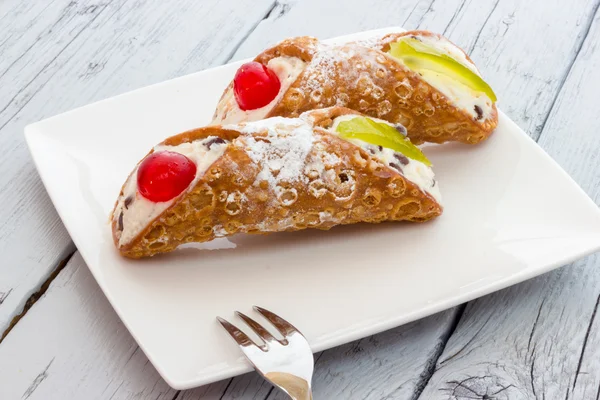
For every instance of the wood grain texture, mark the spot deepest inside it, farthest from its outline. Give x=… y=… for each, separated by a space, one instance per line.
x=61 y=55
x=540 y=339
x=72 y=345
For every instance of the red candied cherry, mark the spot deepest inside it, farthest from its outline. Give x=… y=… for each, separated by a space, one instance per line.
x=255 y=86
x=164 y=174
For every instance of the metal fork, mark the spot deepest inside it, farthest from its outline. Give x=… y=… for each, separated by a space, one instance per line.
x=288 y=364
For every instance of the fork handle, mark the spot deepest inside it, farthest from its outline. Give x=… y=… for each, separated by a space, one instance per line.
x=302 y=396
x=305 y=396
x=296 y=387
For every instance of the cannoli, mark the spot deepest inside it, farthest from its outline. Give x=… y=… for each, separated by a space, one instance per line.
x=417 y=78
x=325 y=168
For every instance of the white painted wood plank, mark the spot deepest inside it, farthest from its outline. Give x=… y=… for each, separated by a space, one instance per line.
x=525 y=50
x=69 y=53
x=540 y=339
x=331 y=19
x=71 y=345
x=335 y=386
x=248 y=386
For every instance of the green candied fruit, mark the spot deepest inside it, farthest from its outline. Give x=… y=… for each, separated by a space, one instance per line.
x=418 y=56
x=380 y=134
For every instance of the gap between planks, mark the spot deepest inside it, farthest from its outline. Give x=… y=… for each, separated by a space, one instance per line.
x=563 y=80
x=430 y=368
x=37 y=295
x=283 y=9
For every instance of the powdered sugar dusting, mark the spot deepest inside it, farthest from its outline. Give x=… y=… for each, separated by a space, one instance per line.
x=331 y=159
x=219 y=231
x=324 y=67
x=370 y=41
x=281 y=146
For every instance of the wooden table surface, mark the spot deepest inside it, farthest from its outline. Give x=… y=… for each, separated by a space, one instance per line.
x=62 y=340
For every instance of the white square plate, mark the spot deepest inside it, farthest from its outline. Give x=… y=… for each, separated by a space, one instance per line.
x=511 y=213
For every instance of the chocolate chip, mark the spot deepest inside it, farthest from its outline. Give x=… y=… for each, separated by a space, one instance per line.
x=127 y=202
x=402 y=158
x=343 y=177
x=215 y=140
x=380 y=148
x=479 y=112
x=120 y=226
x=433 y=183
x=371 y=150
x=401 y=129
x=396 y=166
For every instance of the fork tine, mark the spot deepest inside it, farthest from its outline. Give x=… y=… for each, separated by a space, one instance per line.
x=256 y=327
x=240 y=337
x=284 y=327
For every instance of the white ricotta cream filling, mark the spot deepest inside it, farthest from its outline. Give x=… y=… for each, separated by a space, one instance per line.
x=137 y=211
x=415 y=171
x=287 y=70
x=458 y=93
